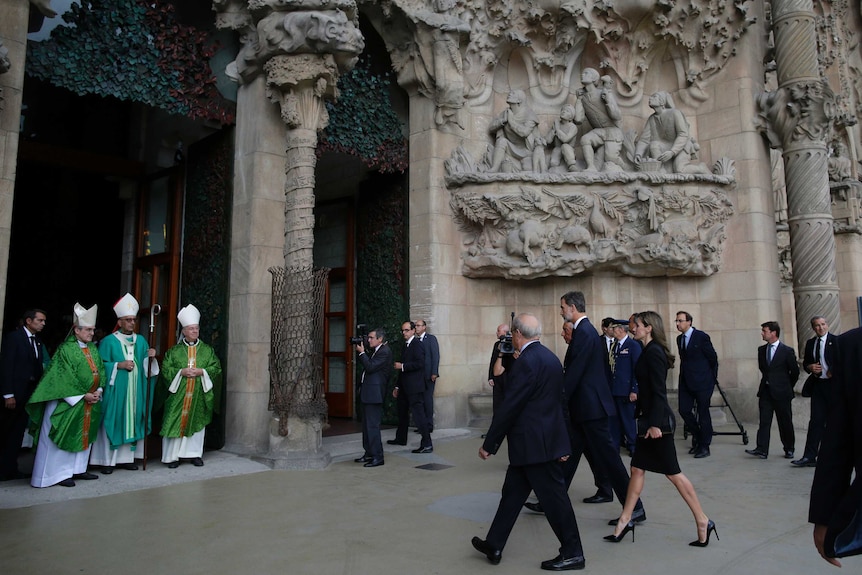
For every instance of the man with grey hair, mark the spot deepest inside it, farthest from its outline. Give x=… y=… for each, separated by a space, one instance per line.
x=818 y=359
x=531 y=420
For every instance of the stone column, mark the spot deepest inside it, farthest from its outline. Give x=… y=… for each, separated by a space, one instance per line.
x=801 y=119
x=13 y=50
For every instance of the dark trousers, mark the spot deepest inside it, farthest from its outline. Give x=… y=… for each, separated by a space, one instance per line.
x=429 y=404
x=607 y=460
x=781 y=408
x=13 y=424
x=700 y=425
x=547 y=480
x=407 y=404
x=817 y=424
x=600 y=478
x=624 y=425
x=372 y=415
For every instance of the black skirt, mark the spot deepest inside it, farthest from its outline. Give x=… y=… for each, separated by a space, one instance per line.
x=656 y=455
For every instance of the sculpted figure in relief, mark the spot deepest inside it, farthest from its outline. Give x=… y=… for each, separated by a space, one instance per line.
x=562 y=138
x=665 y=138
x=597 y=106
x=839 y=166
x=518 y=145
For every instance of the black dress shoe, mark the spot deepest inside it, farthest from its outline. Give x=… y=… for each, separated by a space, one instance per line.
x=788 y=455
x=598 y=498
x=428 y=449
x=129 y=466
x=374 y=463
x=363 y=459
x=693 y=450
x=560 y=563
x=107 y=470
x=534 y=507
x=493 y=555
x=395 y=442
x=757 y=453
x=87 y=476
x=198 y=462
x=173 y=464
x=637 y=517
x=702 y=452
x=67 y=482
x=804 y=462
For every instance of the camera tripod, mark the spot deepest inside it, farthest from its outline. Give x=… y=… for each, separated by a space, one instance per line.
x=726 y=403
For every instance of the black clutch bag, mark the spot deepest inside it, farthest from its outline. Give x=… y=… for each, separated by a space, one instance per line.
x=667 y=427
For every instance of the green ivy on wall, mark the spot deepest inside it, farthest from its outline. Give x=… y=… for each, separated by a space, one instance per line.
x=363 y=123
x=133 y=50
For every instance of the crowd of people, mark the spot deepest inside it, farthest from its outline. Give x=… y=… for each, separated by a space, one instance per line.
x=89 y=406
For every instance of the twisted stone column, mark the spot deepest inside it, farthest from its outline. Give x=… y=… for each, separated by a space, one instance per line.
x=800 y=117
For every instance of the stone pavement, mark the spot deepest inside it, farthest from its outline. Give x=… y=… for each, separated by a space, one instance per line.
x=414 y=515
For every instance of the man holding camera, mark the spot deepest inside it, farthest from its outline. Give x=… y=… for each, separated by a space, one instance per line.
x=372 y=386
x=500 y=363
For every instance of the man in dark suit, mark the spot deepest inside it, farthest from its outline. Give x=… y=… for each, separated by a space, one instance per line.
x=624 y=386
x=586 y=390
x=834 y=497
x=372 y=386
x=698 y=374
x=531 y=419
x=432 y=369
x=818 y=360
x=410 y=391
x=21 y=363
x=779 y=372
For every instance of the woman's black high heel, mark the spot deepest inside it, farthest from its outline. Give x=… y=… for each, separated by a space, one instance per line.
x=710 y=527
x=630 y=526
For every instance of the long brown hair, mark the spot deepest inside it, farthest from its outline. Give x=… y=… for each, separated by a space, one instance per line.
x=651 y=318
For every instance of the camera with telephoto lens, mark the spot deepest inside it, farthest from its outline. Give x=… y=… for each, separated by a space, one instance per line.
x=361 y=335
x=506 y=345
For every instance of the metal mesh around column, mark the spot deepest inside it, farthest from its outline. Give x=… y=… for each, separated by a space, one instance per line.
x=296 y=353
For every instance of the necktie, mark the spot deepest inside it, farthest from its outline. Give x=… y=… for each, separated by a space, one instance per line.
x=34 y=346
x=770 y=351
x=818 y=353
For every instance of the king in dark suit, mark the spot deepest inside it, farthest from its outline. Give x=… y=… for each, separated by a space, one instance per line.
x=779 y=372
x=818 y=360
x=531 y=419
x=410 y=391
x=372 y=387
x=698 y=374
x=21 y=364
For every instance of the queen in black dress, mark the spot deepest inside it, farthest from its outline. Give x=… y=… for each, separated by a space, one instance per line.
x=655 y=451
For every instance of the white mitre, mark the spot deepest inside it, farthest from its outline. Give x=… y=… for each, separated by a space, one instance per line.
x=85 y=317
x=126 y=306
x=189 y=315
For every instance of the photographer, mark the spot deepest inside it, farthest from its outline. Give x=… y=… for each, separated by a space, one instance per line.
x=500 y=363
x=372 y=386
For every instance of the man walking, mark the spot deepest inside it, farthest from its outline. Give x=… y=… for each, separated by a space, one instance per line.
x=624 y=387
x=531 y=420
x=819 y=357
x=372 y=387
x=779 y=372
x=698 y=374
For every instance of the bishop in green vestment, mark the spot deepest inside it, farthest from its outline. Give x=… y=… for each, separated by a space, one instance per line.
x=191 y=372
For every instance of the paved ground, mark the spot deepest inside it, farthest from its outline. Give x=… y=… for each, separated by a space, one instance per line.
x=237 y=516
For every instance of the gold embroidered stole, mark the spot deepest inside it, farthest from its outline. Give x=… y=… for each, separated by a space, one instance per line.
x=190 y=391
x=87 y=406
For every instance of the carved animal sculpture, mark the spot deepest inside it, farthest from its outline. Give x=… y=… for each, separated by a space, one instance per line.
x=521 y=241
x=573 y=235
x=598 y=224
x=309 y=33
x=680 y=230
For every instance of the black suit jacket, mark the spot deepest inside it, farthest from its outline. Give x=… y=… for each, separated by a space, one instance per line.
x=698 y=367
x=531 y=415
x=829 y=352
x=651 y=373
x=432 y=356
x=20 y=369
x=412 y=376
x=841 y=448
x=585 y=386
x=778 y=377
x=375 y=376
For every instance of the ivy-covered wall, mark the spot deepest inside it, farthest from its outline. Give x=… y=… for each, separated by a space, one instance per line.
x=382 y=285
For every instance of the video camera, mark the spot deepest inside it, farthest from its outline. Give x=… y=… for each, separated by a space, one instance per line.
x=506 y=345
x=361 y=335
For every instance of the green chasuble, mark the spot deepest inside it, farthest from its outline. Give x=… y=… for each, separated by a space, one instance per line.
x=189 y=409
x=125 y=392
x=69 y=374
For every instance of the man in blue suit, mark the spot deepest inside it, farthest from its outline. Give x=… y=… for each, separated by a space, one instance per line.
x=586 y=390
x=21 y=365
x=624 y=386
x=432 y=369
x=531 y=419
x=372 y=386
x=698 y=374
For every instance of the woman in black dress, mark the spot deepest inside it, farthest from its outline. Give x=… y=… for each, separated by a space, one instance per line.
x=655 y=451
